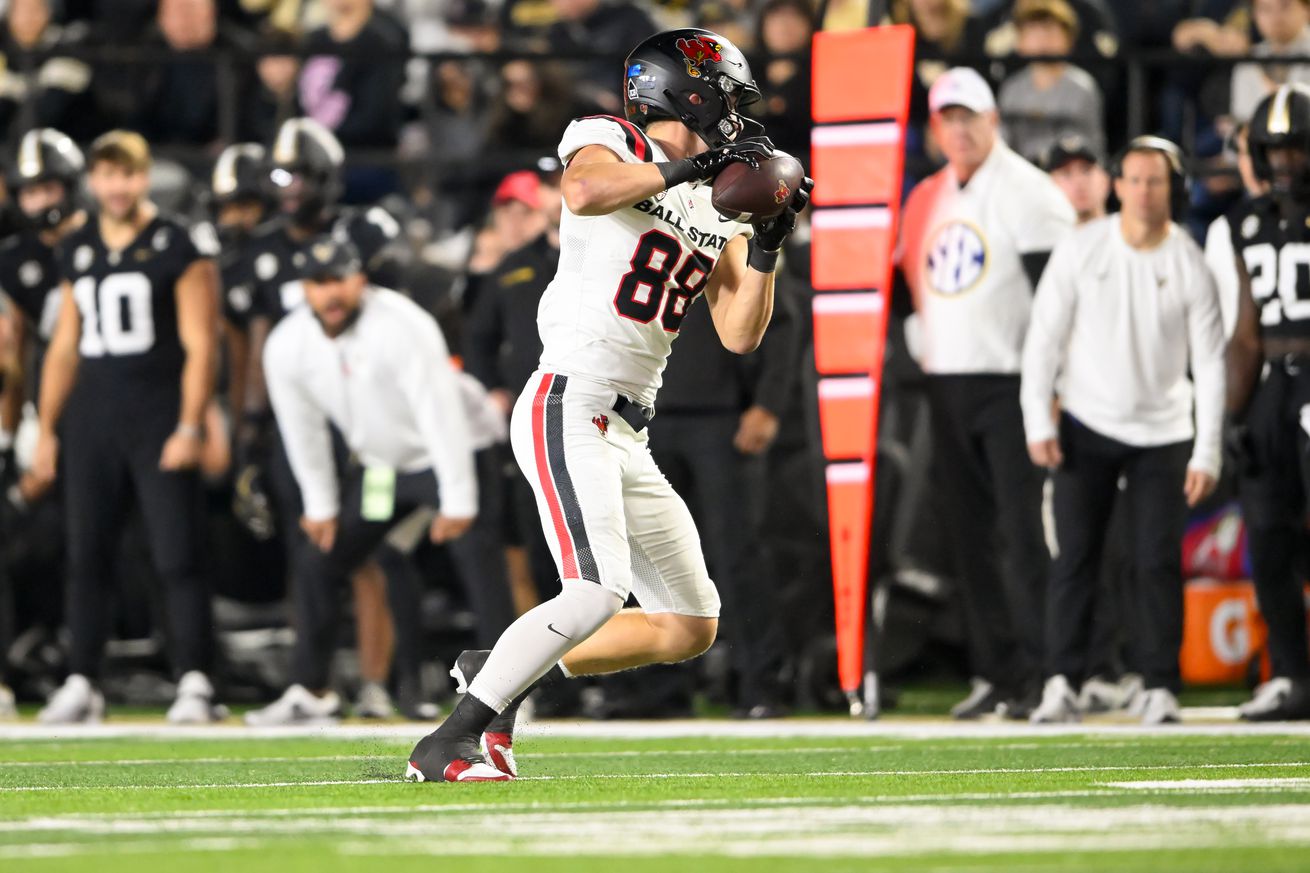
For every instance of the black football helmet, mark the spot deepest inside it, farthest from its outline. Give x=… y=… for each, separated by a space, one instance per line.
x=1282 y=120
x=239 y=174
x=306 y=169
x=694 y=76
x=45 y=154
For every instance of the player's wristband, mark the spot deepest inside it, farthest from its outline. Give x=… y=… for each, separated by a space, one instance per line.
x=678 y=172
x=760 y=259
x=189 y=430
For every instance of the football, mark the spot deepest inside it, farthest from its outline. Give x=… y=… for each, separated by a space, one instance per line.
x=744 y=194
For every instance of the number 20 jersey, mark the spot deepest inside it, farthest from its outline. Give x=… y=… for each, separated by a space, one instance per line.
x=625 y=280
x=129 y=346
x=1276 y=252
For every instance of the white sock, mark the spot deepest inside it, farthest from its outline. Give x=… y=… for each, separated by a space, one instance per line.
x=540 y=637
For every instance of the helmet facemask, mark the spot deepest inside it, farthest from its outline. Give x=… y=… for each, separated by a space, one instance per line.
x=710 y=109
x=695 y=77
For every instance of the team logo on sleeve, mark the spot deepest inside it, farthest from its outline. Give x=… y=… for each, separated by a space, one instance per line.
x=266 y=266
x=239 y=297
x=698 y=50
x=30 y=274
x=957 y=258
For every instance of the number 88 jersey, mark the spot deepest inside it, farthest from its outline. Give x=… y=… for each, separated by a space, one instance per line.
x=1276 y=252
x=625 y=280
x=129 y=342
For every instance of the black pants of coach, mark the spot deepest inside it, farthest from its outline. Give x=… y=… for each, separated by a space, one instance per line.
x=110 y=455
x=1086 y=486
x=991 y=501
x=727 y=492
x=320 y=577
x=1274 y=484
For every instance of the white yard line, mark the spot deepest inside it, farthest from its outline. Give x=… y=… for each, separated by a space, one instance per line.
x=820 y=774
x=843 y=829
x=1288 y=783
x=892 y=728
x=573 y=753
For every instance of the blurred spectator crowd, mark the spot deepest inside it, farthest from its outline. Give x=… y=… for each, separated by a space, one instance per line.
x=449 y=112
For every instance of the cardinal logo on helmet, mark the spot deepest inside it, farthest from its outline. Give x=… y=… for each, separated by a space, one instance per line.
x=697 y=50
x=783 y=194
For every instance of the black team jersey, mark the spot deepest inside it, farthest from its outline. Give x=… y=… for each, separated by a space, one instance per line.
x=1276 y=251
x=130 y=348
x=29 y=276
x=267 y=280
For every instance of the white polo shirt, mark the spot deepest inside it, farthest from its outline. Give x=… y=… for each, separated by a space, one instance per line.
x=960 y=251
x=388 y=384
x=1114 y=332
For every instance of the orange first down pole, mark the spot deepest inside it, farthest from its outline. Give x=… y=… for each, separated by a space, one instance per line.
x=861 y=101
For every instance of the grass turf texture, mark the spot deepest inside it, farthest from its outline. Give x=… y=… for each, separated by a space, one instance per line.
x=1078 y=802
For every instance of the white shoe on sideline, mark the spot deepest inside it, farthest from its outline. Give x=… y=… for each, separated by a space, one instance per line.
x=1267 y=697
x=297 y=705
x=74 y=702
x=194 y=703
x=373 y=701
x=8 y=707
x=1133 y=688
x=1279 y=699
x=1159 y=706
x=1058 y=706
x=1100 y=695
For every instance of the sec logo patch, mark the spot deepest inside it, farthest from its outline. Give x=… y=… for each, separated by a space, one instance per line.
x=956 y=258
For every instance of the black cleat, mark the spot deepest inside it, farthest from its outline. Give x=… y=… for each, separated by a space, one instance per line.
x=450 y=759
x=497 y=742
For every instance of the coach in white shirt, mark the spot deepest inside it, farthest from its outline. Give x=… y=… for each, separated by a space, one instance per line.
x=1125 y=308
x=975 y=237
x=373 y=364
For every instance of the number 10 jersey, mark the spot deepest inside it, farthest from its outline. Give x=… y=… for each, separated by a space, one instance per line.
x=129 y=346
x=625 y=280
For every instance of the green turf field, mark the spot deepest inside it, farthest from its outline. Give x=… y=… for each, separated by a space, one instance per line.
x=1109 y=800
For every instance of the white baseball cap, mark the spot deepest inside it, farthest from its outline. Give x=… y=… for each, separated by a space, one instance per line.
x=961 y=86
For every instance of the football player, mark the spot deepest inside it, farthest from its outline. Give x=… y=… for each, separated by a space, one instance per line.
x=44 y=179
x=127 y=377
x=1269 y=388
x=44 y=182
x=239 y=203
x=640 y=241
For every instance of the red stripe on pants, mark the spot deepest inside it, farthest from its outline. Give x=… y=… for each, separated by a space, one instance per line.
x=568 y=561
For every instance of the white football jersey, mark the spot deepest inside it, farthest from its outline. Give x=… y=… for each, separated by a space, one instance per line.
x=961 y=250
x=626 y=279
